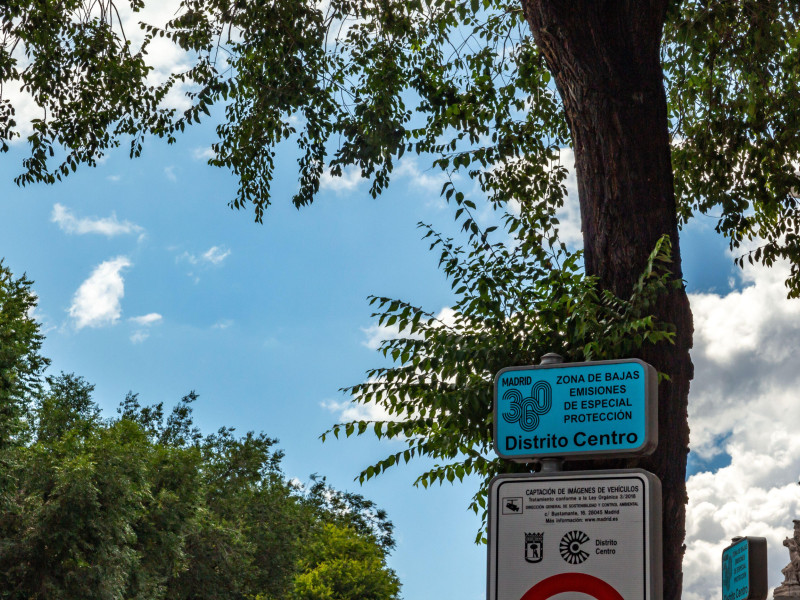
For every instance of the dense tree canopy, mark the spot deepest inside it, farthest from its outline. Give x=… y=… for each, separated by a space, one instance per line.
x=142 y=505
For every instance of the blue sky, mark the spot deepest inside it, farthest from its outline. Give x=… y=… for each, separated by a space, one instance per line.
x=148 y=282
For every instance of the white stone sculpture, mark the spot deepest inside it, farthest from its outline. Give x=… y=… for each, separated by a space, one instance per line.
x=790 y=588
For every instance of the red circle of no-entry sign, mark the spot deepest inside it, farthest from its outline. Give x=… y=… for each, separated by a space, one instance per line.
x=572 y=582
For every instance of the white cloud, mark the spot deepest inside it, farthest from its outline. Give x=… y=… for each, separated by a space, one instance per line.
x=350 y=411
x=163 y=55
x=203 y=153
x=743 y=405
x=169 y=172
x=429 y=179
x=297 y=120
x=108 y=226
x=97 y=301
x=375 y=334
x=743 y=409
x=215 y=255
x=148 y=319
x=223 y=324
x=144 y=322
x=348 y=182
x=569 y=215
x=26 y=107
x=139 y=336
x=738 y=325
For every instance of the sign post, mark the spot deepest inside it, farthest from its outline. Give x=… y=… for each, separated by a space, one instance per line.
x=591 y=532
x=587 y=533
x=744 y=569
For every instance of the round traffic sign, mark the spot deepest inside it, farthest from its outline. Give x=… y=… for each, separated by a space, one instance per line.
x=572 y=582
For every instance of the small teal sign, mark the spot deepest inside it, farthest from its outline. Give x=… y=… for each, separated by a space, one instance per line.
x=744 y=569
x=576 y=409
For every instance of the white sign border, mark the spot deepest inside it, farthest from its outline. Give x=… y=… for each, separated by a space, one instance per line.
x=652 y=525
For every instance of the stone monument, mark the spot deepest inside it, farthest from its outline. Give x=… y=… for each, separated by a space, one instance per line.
x=790 y=588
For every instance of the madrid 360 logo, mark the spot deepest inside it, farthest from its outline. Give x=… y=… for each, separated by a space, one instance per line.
x=527 y=410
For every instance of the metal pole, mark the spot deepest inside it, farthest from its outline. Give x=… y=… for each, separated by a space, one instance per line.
x=552 y=464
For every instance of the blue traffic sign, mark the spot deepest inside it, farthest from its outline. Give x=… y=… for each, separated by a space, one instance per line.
x=576 y=410
x=744 y=569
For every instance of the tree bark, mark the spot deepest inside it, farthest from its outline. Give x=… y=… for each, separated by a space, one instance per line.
x=605 y=58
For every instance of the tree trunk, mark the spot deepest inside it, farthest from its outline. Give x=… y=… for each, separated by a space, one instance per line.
x=604 y=55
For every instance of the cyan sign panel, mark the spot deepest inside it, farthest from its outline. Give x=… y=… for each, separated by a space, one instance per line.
x=744 y=569
x=576 y=409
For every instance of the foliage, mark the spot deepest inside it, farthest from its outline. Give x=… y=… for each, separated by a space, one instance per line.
x=75 y=62
x=21 y=368
x=341 y=564
x=143 y=506
x=357 y=84
x=734 y=74
x=515 y=303
x=21 y=363
x=78 y=490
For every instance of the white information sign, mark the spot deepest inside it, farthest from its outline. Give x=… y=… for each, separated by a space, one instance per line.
x=575 y=536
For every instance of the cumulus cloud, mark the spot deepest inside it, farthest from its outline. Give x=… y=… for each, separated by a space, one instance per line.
x=743 y=414
x=162 y=55
x=348 y=182
x=97 y=301
x=107 y=226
